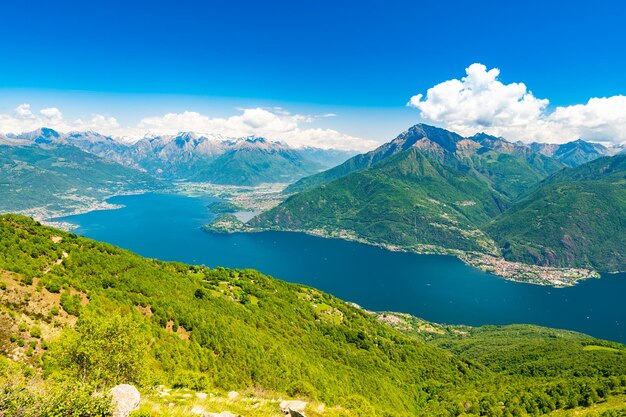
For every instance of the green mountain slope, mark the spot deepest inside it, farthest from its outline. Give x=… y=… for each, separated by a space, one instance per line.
x=512 y=169
x=427 y=189
x=75 y=309
x=257 y=161
x=406 y=200
x=188 y=156
x=59 y=178
x=238 y=328
x=576 y=218
x=362 y=161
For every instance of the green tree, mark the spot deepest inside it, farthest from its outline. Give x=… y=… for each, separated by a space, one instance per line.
x=105 y=350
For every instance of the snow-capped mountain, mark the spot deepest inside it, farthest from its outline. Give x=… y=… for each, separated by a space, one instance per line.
x=189 y=156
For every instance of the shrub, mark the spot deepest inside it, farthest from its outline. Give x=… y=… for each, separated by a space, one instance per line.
x=35 y=332
x=200 y=293
x=71 y=303
x=53 y=286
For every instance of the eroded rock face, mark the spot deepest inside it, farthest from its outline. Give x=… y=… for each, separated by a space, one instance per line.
x=125 y=399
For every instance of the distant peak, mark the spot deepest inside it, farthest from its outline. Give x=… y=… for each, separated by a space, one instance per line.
x=44 y=132
x=444 y=138
x=255 y=139
x=43 y=135
x=186 y=135
x=48 y=131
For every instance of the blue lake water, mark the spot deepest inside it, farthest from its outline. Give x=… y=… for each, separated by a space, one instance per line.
x=436 y=288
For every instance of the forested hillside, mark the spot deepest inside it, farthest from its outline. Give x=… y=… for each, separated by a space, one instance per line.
x=58 y=178
x=576 y=218
x=83 y=314
x=427 y=190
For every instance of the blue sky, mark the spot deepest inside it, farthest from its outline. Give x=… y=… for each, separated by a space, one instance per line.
x=360 y=60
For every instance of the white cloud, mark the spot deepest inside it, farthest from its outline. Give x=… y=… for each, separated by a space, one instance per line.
x=23 y=111
x=479 y=102
x=274 y=124
x=53 y=114
x=23 y=120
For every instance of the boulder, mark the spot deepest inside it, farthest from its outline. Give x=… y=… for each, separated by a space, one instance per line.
x=125 y=399
x=287 y=407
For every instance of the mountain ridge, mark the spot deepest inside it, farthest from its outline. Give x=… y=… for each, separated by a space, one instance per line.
x=189 y=156
x=390 y=197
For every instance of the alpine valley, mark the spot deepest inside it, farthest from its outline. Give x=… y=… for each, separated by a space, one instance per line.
x=312 y=208
x=45 y=174
x=78 y=316
x=482 y=198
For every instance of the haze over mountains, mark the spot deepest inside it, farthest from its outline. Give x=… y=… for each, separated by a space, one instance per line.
x=191 y=157
x=576 y=152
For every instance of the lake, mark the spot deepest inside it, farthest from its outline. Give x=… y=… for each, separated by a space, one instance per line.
x=437 y=288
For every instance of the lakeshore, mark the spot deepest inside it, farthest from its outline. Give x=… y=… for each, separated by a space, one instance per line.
x=440 y=289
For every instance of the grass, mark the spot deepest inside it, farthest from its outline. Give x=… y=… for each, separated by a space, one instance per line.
x=604 y=348
x=161 y=402
x=616 y=403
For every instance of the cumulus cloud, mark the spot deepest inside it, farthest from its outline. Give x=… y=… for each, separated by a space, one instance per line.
x=53 y=114
x=480 y=102
x=273 y=124
x=24 y=119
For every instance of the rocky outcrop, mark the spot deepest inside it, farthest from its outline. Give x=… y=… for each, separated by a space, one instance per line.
x=293 y=408
x=125 y=399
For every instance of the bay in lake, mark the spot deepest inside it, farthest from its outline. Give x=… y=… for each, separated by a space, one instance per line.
x=436 y=288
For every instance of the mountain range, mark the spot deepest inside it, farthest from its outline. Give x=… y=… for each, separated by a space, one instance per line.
x=427 y=190
x=428 y=186
x=46 y=178
x=431 y=190
x=576 y=152
x=191 y=157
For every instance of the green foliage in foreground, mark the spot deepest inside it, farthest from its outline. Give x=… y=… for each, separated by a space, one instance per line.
x=149 y=322
x=23 y=395
x=577 y=218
